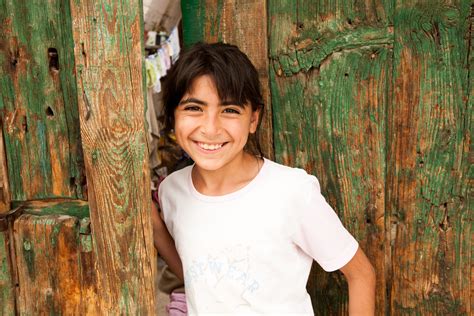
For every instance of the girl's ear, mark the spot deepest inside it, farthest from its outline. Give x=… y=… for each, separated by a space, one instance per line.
x=254 y=119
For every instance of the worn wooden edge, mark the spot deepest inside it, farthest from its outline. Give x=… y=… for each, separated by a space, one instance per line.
x=39 y=104
x=76 y=208
x=108 y=48
x=431 y=222
x=7 y=280
x=56 y=265
x=315 y=94
x=5 y=194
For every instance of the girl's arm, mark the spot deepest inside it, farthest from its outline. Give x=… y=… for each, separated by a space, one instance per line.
x=360 y=276
x=164 y=243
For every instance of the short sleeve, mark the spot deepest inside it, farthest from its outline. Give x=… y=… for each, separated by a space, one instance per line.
x=318 y=230
x=164 y=207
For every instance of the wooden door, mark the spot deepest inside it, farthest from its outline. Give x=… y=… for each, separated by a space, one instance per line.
x=374 y=99
x=72 y=114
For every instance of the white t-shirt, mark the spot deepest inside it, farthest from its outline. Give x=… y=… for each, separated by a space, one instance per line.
x=250 y=251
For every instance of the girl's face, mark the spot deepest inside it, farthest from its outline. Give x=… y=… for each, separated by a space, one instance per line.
x=213 y=132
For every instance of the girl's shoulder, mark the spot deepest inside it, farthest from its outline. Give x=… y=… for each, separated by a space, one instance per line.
x=176 y=180
x=293 y=185
x=288 y=176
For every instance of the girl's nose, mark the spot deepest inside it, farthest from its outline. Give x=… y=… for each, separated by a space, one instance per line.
x=211 y=126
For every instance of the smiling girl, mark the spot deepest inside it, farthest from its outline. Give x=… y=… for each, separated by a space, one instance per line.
x=246 y=228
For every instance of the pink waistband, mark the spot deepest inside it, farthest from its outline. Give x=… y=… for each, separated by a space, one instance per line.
x=177 y=305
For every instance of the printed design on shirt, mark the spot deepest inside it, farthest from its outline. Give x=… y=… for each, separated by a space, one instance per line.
x=226 y=272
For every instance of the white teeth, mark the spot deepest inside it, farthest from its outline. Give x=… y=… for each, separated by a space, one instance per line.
x=210 y=146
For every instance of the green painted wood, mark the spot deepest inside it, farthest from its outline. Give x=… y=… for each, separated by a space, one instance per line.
x=374 y=98
x=329 y=78
x=56 y=266
x=75 y=208
x=430 y=134
x=7 y=286
x=38 y=106
x=193 y=28
x=108 y=50
x=5 y=195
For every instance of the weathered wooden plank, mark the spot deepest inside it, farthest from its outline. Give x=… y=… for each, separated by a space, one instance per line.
x=329 y=79
x=39 y=100
x=7 y=281
x=429 y=135
x=55 y=263
x=7 y=286
x=242 y=23
x=108 y=51
x=5 y=198
x=76 y=208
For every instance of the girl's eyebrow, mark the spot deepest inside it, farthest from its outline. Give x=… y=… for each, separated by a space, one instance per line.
x=230 y=102
x=192 y=100
x=200 y=102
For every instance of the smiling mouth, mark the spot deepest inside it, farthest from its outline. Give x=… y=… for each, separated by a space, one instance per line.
x=210 y=147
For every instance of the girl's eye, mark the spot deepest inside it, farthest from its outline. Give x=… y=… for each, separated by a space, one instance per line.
x=231 y=111
x=192 y=108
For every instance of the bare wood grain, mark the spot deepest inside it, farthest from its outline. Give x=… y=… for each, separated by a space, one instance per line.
x=5 y=195
x=428 y=130
x=108 y=51
x=7 y=281
x=39 y=100
x=330 y=77
x=55 y=266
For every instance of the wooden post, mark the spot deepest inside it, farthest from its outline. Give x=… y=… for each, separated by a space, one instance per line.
x=7 y=280
x=7 y=286
x=238 y=22
x=109 y=55
x=55 y=262
x=328 y=78
x=375 y=99
x=430 y=159
x=39 y=100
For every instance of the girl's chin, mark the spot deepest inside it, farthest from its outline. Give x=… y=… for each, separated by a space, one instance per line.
x=208 y=165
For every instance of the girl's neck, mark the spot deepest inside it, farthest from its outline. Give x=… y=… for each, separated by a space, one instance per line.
x=229 y=178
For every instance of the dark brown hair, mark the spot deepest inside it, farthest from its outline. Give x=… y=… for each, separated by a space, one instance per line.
x=234 y=75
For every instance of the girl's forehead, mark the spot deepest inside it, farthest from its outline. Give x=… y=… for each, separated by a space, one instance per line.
x=205 y=87
x=205 y=82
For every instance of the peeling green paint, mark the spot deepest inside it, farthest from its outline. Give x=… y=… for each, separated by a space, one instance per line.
x=398 y=76
x=53 y=239
x=124 y=299
x=95 y=156
x=315 y=52
x=29 y=256
x=43 y=150
x=77 y=209
x=216 y=20
x=86 y=243
x=7 y=294
x=193 y=28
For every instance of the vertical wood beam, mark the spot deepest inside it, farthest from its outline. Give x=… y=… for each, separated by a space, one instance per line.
x=330 y=72
x=55 y=263
x=5 y=197
x=7 y=280
x=38 y=106
x=429 y=126
x=109 y=69
x=7 y=286
x=238 y=22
